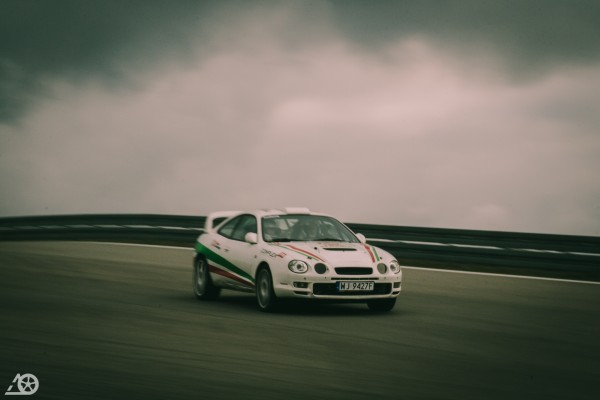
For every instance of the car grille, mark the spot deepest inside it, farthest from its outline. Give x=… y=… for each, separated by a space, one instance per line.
x=324 y=289
x=354 y=271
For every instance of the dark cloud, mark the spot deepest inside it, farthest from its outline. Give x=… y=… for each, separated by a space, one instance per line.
x=526 y=32
x=76 y=40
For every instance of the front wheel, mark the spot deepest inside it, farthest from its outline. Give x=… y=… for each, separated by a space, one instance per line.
x=202 y=284
x=381 y=305
x=265 y=295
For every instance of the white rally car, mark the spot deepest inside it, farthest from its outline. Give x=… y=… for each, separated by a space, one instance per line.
x=292 y=253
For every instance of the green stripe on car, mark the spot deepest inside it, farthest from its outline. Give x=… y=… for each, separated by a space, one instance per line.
x=214 y=257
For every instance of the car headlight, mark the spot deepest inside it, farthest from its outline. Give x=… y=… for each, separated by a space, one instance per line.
x=297 y=266
x=395 y=267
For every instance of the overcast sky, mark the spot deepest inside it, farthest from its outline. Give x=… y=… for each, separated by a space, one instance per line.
x=465 y=114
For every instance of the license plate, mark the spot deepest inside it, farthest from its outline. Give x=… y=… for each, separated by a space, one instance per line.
x=355 y=286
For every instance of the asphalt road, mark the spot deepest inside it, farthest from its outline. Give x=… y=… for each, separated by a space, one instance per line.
x=101 y=321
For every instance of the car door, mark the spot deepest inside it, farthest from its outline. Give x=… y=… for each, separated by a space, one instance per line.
x=237 y=269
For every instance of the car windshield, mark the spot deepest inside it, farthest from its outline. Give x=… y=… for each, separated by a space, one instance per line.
x=305 y=228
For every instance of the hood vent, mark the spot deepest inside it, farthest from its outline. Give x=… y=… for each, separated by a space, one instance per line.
x=339 y=249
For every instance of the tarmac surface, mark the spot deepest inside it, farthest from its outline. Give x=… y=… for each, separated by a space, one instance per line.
x=109 y=321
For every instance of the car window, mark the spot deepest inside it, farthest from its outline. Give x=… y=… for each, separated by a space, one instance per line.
x=218 y=220
x=246 y=224
x=227 y=229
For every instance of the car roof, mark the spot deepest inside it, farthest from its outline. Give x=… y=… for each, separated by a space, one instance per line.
x=285 y=211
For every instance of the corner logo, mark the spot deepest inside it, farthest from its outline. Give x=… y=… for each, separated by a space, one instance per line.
x=26 y=384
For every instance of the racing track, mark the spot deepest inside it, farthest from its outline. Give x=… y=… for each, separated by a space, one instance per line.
x=117 y=321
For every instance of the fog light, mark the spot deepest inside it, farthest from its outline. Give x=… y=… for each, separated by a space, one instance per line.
x=320 y=268
x=381 y=268
x=301 y=285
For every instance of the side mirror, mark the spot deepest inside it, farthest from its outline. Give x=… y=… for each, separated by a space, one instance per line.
x=251 y=238
x=361 y=237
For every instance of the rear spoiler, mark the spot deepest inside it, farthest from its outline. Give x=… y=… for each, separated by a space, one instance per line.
x=215 y=218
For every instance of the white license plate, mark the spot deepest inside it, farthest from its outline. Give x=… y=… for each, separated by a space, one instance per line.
x=355 y=286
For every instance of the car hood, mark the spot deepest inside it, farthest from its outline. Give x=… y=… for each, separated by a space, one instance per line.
x=334 y=253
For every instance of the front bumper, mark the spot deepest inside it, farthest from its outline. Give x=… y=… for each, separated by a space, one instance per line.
x=325 y=287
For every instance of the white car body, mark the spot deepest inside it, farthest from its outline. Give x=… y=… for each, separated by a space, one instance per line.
x=328 y=262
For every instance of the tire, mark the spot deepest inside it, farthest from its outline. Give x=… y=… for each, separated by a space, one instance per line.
x=201 y=282
x=265 y=295
x=381 y=305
